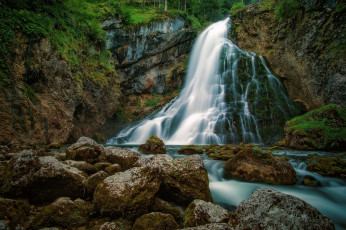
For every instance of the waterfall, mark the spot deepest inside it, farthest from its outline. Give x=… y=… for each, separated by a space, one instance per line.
x=229 y=96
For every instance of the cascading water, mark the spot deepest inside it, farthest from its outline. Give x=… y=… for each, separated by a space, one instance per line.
x=230 y=96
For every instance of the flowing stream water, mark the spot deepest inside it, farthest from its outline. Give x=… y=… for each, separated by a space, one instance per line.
x=229 y=96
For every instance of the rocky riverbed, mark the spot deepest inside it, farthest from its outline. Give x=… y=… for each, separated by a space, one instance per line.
x=90 y=186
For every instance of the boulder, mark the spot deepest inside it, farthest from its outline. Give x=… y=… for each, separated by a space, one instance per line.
x=255 y=165
x=126 y=158
x=102 y=165
x=14 y=213
x=63 y=212
x=200 y=212
x=327 y=166
x=18 y=173
x=223 y=152
x=82 y=166
x=184 y=179
x=55 y=179
x=108 y=224
x=270 y=209
x=218 y=226
x=153 y=145
x=160 y=205
x=42 y=179
x=93 y=180
x=114 y=168
x=86 y=149
x=129 y=194
x=155 y=221
x=190 y=150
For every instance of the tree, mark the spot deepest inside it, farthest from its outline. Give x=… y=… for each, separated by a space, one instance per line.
x=165 y=5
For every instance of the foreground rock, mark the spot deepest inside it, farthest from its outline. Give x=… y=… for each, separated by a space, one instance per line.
x=126 y=158
x=255 y=165
x=155 y=221
x=219 y=226
x=153 y=145
x=14 y=213
x=42 y=179
x=184 y=179
x=64 y=213
x=160 y=205
x=320 y=129
x=86 y=149
x=82 y=166
x=270 y=209
x=200 y=212
x=128 y=194
x=94 y=180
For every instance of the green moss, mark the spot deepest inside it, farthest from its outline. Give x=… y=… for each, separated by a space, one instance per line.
x=328 y=166
x=267 y=5
x=286 y=9
x=190 y=150
x=323 y=128
x=236 y=8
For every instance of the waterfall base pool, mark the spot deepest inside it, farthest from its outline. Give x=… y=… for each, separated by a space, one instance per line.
x=329 y=197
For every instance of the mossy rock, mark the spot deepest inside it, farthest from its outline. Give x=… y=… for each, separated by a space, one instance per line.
x=222 y=152
x=153 y=145
x=190 y=150
x=160 y=205
x=320 y=129
x=14 y=212
x=328 y=166
x=253 y=164
x=154 y=221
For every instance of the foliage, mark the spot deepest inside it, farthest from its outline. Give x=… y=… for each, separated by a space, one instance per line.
x=267 y=5
x=152 y=101
x=236 y=7
x=286 y=9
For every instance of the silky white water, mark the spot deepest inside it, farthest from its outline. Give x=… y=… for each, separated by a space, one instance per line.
x=229 y=96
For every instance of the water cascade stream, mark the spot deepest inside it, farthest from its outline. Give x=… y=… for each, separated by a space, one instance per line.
x=229 y=96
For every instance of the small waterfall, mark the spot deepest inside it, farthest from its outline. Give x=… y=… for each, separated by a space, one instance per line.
x=230 y=96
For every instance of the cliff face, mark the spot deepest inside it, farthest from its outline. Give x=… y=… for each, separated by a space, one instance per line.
x=306 y=50
x=46 y=103
x=150 y=59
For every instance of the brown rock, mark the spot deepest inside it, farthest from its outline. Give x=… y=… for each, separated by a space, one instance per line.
x=14 y=212
x=128 y=194
x=102 y=165
x=190 y=150
x=160 y=205
x=155 y=221
x=218 y=226
x=82 y=166
x=126 y=158
x=153 y=145
x=255 y=165
x=94 y=180
x=114 y=168
x=270 y=209
x=200 y=212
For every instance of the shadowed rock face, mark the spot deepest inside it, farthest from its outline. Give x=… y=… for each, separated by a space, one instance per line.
x=270 y=209
x=306 y=50
x=148 y=59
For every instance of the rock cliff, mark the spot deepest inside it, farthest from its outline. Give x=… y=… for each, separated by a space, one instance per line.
x=306 y=50
x=47 y=103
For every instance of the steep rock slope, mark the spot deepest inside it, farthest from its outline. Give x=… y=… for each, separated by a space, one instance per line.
x=306 y=50
x=149 y=59
x=46 y=103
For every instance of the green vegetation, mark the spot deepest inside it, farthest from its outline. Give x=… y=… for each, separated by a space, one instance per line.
x=323 y=128
x=328 y=166
x=152 y=101
x=236 y=7
x=286 y=9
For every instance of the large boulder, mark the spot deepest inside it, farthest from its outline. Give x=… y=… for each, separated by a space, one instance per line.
x=255 y=165
x=55 y=179
x=270 y=209
x=155 y=221
x=82 y=166
x=129 y=194
x=153 y=145
x=191 y=150
x=327 y=166
x=86 y=149
x=213 y=226
x=223 y=152
x=94 y=180
x=18 y=173
x=126 y=158
x=63 y=212
x=200 y=212
x=42 y=179
x=14 y=213
x=160 y=205
x=184 y=179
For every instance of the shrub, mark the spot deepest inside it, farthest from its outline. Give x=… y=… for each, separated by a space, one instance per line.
x=286 y=9
x=236 y=7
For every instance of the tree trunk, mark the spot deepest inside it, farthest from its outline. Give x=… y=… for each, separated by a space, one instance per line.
x=165 y=5
x=185 y=6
